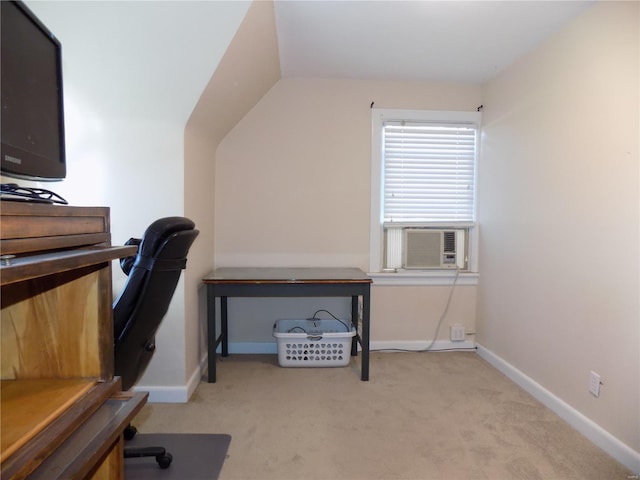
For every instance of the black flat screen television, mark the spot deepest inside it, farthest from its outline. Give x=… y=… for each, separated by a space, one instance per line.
x=32 y=117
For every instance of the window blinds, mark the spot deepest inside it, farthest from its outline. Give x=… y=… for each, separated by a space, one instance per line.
x=429 y=172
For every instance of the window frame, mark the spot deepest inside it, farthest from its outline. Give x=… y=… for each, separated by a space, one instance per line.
x=378 y=118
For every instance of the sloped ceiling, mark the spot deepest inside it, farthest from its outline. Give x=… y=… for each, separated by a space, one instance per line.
x=448 y=41
x=248 y=69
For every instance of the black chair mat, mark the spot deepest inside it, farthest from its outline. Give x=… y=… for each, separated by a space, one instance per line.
x=196 y=456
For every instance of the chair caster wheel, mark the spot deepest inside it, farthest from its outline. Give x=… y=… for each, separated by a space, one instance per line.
x=164 y=460
x=130 y=432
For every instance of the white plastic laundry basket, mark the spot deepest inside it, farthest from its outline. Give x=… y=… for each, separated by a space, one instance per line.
x=314 y=342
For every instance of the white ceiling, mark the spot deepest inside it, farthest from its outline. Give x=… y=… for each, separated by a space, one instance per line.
x=448 y=41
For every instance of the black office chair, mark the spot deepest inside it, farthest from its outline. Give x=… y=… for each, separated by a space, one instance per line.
x=153 y=274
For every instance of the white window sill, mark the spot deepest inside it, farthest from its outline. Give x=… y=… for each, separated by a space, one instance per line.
x=425 y=277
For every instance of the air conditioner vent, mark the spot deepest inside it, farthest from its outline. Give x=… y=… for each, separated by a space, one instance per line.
x=449 y=241
x=423 y=248
x=430 y=248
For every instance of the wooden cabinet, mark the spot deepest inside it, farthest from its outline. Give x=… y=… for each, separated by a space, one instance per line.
x=62 y=409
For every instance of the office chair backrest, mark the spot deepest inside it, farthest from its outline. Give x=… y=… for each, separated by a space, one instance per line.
x=153 y=275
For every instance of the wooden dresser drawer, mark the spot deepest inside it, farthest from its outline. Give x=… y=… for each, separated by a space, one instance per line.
x=32 y=227
x=63 y=412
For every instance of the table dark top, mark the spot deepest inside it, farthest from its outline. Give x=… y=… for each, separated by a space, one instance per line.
x=251 y=275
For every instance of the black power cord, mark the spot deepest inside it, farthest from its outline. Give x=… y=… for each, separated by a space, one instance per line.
x=435 y=335
x=13 y=191
x=313 y=317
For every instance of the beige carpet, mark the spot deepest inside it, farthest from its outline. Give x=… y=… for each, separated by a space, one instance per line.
x=444 y=416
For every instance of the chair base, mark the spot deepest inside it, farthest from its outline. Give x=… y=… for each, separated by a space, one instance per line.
x=163 y=457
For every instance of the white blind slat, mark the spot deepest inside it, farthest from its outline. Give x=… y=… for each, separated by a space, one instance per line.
x=429 y=172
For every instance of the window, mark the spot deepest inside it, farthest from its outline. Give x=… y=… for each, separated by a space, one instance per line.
x=423 y=190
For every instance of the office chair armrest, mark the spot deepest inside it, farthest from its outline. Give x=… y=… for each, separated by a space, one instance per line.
x=126 y=263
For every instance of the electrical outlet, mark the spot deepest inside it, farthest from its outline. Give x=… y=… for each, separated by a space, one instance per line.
x=457 y=333
x=594 y=384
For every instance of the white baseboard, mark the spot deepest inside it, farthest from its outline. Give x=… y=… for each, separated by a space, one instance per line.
x=253 y=347
x=599 y=436
x=420 y=345
x=272 y=348
x=164 y=393
x=173 y=394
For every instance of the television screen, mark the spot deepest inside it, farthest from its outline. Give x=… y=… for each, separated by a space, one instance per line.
x=32 y=117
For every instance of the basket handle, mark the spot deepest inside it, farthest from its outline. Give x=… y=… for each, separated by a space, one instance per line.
x=314 y=337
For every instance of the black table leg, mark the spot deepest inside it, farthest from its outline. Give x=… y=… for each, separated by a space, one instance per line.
x=366 y=298
x=354 y=322
x=211 y=333
x=223 y=326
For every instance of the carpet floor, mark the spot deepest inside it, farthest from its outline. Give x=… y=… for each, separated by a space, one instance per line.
x=422 y=416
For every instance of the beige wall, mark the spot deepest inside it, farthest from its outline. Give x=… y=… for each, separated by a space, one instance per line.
x=293 y=189
x=559 y=213
x=410 y=314
x=130 y=85
x=293 y=177
x=248 y=69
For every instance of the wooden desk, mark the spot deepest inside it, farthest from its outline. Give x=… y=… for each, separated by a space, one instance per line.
x=286 y=282
x=63 y=412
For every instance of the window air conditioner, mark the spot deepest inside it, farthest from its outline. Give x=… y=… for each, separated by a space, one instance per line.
x=429 y=248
